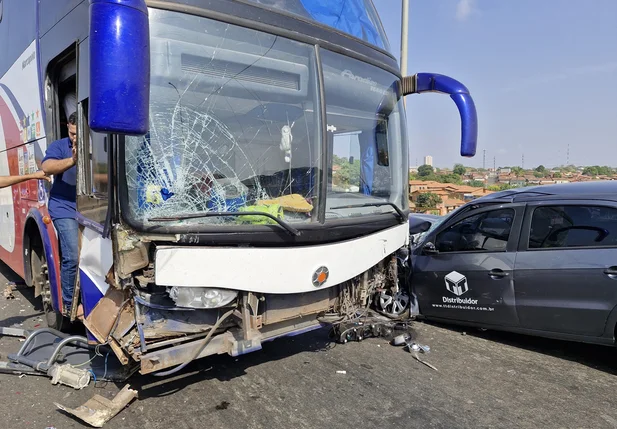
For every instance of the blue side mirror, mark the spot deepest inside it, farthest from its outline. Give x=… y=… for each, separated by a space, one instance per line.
x=431 y=82
x=119 y=67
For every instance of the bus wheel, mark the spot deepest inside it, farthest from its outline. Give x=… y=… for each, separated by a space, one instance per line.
x=40 y=279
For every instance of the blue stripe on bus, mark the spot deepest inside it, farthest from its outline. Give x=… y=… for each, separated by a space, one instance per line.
x=90 y=297
x=16 y=105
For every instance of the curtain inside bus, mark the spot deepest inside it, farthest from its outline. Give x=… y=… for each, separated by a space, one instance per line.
x=349 y=16
x=357 y=18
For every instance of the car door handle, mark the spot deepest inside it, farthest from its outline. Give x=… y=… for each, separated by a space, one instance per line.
x=497 y=273
x=611 y=272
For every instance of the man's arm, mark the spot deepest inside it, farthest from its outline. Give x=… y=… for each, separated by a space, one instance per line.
x=57 y=166
x=13 y=180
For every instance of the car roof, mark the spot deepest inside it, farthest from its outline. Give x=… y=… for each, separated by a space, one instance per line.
x=604 y=189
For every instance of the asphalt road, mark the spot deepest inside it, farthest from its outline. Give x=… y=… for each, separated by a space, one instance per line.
x=484 y=379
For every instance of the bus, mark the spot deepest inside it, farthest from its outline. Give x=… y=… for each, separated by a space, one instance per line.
x=241 y=173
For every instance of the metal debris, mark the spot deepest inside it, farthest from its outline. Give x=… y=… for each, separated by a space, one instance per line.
x=415 y=349
x=69 y=375
x=99 y=410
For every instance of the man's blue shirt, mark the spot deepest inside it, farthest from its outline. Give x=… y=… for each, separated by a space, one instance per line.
x=63 y=191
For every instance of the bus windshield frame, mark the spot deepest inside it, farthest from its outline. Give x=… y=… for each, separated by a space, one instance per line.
x=244 y=88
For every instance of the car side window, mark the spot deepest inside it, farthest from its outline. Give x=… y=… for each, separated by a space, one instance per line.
x=573 y=226
x=488 y=231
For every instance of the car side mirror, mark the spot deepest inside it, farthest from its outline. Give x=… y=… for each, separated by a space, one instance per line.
x=429 y=249
x=420 y=227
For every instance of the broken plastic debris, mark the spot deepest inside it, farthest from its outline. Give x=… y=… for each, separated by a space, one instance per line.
x=99 y=410
x=341 y=372
x=8 y=292
x=401 y=339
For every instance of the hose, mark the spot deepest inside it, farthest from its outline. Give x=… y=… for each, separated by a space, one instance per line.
x=199 y=349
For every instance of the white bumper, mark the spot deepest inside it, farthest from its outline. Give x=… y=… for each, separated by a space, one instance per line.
x=280 y=270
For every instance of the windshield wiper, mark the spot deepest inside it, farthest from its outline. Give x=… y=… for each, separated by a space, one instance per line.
x=287 y=227
x=400 y=213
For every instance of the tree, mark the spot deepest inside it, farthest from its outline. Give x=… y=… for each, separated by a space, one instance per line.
x=425 y=170
x=449 y=178
x=538 y=174
x=541 y=169
x=518 y=171
x=591 y=171
x=459 y=169
x=428 y=200
x=349 y=174
x=501 y=187
x=557 y=175
x=476 y=183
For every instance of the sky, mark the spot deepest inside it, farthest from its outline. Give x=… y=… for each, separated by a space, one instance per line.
x=543 y=75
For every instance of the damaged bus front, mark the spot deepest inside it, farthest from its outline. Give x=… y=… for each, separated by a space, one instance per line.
x=258 y=180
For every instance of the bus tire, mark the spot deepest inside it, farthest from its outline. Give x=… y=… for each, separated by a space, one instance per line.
x=40 y=278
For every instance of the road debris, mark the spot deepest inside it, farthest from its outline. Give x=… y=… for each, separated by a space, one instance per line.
x=8 y=291
x=99 y=410
x=415 y=349
x=358 y=330
x=69 y=375
x=416 y=356
x=341 y=372
x=222 y=406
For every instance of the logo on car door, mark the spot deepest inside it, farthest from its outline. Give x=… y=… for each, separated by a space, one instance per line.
x=456 y=283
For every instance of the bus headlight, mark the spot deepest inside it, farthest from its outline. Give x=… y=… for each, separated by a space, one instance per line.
x=201 y=297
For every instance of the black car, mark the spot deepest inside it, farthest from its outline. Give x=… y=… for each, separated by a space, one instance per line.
x=539 y=260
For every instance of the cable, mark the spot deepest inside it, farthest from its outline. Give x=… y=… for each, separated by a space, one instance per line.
x=199 y=349
x=105 y=373
x=97 y=353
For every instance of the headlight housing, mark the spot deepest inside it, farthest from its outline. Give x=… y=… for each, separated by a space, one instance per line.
x=201 y=297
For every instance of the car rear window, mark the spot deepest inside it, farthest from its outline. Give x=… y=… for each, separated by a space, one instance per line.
x=569 y=226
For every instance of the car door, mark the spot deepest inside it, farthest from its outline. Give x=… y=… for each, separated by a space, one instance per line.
x=463 y=270
x=566 y=268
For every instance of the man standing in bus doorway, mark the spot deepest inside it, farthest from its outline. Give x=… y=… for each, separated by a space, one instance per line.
x=60 y=160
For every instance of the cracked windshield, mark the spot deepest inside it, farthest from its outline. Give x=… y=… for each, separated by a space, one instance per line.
x=235 y=127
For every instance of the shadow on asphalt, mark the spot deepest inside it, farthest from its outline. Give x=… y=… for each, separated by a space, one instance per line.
x=226 y=368
x=594 y=356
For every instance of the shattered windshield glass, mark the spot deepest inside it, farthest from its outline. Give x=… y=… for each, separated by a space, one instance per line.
x=235 y=127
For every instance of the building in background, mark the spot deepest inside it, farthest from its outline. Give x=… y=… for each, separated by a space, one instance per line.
x=428 y=160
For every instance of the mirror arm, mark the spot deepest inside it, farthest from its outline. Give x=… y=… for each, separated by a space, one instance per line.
x=432 y=82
